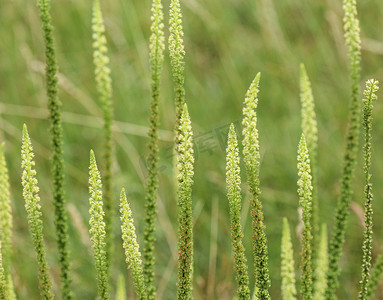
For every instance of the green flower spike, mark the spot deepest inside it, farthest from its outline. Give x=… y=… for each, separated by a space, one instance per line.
x=33 y=208
x=177 y=54
x=104 y=89
x=251 y=157
x=322 y=266
x=375 y=277
x=352 y=37
x=305 y=198
x=157 y=47
x=288 y=289
x=310 y=131
x=185 y=161
x=309 y=123
x=57 y=161
x=6 y=222
x=369 y=98
x=3 y=281
x=97 y=228
x=132 y=249
x=233 y=183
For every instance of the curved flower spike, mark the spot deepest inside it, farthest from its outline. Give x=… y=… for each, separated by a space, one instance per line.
x=33 y=208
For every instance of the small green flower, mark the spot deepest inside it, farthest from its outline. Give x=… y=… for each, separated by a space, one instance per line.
x=132 y=249
x=233 y=183
x=32 y=205
x=288 y=289
x=185 y=162
x=97 y=228
x=305 y=202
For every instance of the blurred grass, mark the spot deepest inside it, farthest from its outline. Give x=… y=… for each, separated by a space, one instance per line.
x=226 y=42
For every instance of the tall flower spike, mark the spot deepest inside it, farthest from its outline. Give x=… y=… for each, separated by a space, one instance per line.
x=321 y=268
x=157 y=47
x=310 y=131
x=3 y=281
x=352 y=36
x=177 y=54
x=132 y=249
x=185 y=162
x=375 y=277
x=33 y=208
x=5 y=221
x=57 y=161
x=309 y=123
x=251 y=158
x=288 y=289
x=97 y=228
x=305 y=198
x=369 y=98
x=233 y=183
x=104 y=88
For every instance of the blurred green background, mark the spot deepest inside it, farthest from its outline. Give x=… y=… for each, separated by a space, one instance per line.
x=227 y=42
